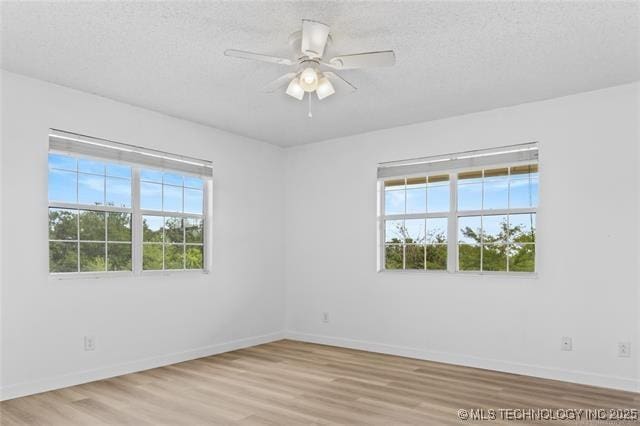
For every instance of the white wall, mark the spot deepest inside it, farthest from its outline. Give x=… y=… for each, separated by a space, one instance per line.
x=589 y=200
x=587 y=286
x=137 y=322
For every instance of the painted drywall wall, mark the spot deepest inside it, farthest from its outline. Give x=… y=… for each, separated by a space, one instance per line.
x=137 y=322
x=587 y=286
x=587 y=224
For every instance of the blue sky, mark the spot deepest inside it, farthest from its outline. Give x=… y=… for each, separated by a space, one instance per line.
x=67 y=173
x=499 y=193
x=524 y=193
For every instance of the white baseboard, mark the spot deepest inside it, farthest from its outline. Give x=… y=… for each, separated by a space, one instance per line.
x=581 y=377
x=76 y=378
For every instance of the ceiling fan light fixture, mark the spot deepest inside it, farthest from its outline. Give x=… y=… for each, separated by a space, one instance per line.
x=325 y=88
x=295 y=90
x=309 y=79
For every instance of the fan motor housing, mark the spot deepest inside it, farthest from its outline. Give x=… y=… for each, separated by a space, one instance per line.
x=295 y=42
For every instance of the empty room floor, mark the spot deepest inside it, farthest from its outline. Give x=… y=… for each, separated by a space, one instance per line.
x=290 y=382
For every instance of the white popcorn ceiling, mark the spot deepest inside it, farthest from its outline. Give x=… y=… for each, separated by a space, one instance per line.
x=452 y=57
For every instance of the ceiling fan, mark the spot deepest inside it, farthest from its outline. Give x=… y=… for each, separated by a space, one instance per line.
x=312 y=72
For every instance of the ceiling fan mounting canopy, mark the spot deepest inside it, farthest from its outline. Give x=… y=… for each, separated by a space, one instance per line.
x=313 y=73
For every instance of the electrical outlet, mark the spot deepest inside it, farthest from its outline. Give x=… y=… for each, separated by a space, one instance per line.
x=566 y=344
x=325 y=317
x=89 y=343
x=624 y=349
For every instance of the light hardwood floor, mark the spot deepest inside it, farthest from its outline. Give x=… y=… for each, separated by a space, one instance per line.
x=288 y=382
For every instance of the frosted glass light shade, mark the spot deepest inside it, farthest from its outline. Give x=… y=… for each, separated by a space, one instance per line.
x=295 y=90
x=325 y=88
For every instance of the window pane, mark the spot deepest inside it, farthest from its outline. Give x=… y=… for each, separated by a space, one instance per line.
x=470 y=229
x=522 y=228
x=522 y=257
x=62 y=162
x=414 y=230
x=416 y=195
x=437 y=230
x=173 y=232
x=415 y=256
x=92 y=257
x=393 y=256
x=494 y=257
x=193 y=201
x=172 y=198
x=63 y=257
x=494 y=228
x=150 y=196
x=496 y=189
x=152 y=229
x=119 y=170
x=394 y=194
x=438 y=194
x=118 y=257
x=92 y=226
x=63 y=224
x=172 y=179
x=470 y=191
x=118 y=192
x=193 y=182
x=91 y=166
x=193 y=230
x=151 y=257
x=469 y=257
x=173 y=256
x=523 y=188
x=90 y=189
x=119 y=227
x=437 y=257
x=394 y=231
x=194 y=257
x=151 y=175
x=63 y=186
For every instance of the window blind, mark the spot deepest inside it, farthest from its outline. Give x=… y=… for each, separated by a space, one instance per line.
x=513 y=154
x=73 y=143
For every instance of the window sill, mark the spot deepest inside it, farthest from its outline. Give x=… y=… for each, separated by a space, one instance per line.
x=412 y=271
x=60 y=276
x=525 y=275
x=173 y=272
x=88 y=275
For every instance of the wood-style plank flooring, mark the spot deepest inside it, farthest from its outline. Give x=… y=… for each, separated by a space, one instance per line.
x=288 y=382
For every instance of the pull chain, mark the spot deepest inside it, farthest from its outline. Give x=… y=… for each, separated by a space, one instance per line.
x=309 y=114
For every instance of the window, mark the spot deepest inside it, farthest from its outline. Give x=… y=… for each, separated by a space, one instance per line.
x=89 y=215
x=497 y=219
x=463 y=212
x=117 y=216
x=172 y=221
x=416 y=216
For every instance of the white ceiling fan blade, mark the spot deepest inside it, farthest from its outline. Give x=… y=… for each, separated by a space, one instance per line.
x=314 y=38
x=343 y=85
x=278 y=82
x=257 y=57
x=385 y=58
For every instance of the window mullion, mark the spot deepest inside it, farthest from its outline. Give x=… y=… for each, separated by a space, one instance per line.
x=381 y=227
x=136 y=223
x=106 y=239
x=207 y=240
x=452 y=224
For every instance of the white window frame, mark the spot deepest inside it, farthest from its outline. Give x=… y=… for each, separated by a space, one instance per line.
x=452 y=223
x=136 y=225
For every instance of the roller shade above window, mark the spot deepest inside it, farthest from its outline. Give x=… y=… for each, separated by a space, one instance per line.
x=72 y=143
x=514 y=154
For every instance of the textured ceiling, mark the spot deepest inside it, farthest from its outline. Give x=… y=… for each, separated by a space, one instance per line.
x=452 y=57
